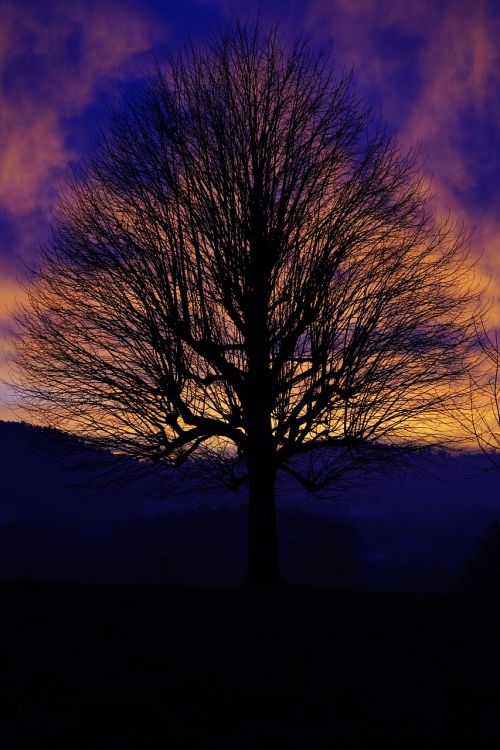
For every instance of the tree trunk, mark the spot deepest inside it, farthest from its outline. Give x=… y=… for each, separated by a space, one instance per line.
x=263 y=560
x=263 y=557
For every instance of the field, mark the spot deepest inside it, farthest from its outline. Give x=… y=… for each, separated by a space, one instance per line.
x=89 y=666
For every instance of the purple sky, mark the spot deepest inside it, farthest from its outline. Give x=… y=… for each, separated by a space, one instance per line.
x=432 y=67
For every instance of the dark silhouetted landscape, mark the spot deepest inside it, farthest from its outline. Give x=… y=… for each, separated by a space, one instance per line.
x=125 y=624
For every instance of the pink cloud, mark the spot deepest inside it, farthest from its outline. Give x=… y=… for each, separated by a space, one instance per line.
x=53 y=61
x=454 y=68
x=459 y=70
x=55 y=58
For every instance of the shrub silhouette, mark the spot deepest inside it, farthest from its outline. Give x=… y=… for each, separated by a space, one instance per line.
x=481 y=573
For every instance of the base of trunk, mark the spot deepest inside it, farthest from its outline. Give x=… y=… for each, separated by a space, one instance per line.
x=265 y=581
x=263 y=557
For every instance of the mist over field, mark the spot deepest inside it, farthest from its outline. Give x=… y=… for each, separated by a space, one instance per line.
x=402 y=531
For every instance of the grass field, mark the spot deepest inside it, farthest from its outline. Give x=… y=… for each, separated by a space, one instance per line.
x=87 y=666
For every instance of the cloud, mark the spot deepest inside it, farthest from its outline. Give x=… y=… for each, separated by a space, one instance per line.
x=55 y=59
x=435 y=69
x=459 y=70
x=12 y=294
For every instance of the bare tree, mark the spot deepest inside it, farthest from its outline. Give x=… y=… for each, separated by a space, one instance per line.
x=248 y=269
x=482 y=420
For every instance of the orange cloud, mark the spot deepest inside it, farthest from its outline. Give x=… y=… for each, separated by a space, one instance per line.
x=11 y=294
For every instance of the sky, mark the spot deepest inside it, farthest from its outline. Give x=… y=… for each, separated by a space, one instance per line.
x=432 y=67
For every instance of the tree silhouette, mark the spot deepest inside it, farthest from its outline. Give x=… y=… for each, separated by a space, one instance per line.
x=247 y=270
x=483 y=417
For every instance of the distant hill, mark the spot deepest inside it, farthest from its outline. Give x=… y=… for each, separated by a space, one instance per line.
x=407 y=530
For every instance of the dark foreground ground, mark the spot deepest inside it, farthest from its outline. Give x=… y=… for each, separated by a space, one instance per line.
x=137 y=667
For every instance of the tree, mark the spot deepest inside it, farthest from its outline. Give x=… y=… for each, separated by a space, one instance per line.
x=483 y=418
x=248 y=269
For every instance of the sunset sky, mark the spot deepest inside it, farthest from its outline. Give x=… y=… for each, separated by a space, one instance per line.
x=433 y=68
